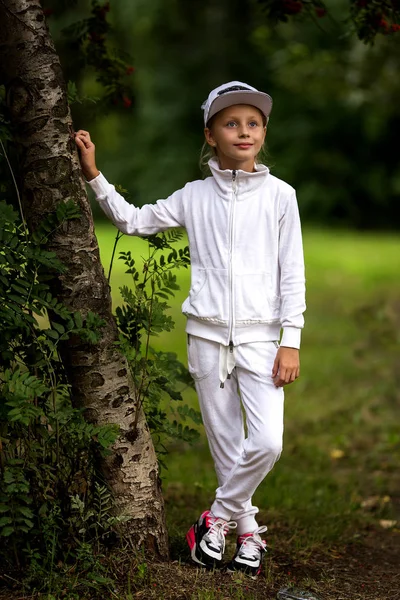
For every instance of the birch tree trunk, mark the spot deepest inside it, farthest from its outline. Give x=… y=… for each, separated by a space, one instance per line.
x=50 y=173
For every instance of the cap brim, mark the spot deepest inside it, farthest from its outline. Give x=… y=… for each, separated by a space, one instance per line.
x=260 y=100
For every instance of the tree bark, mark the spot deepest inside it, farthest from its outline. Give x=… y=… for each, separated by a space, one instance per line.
x=50 y=173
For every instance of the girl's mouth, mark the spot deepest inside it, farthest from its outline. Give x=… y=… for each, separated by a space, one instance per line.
x=244 y=146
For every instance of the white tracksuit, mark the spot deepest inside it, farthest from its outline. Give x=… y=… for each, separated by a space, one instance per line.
x=247 y=282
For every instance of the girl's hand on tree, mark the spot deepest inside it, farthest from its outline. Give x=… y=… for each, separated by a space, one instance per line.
x=286 y=366
x=87 y=154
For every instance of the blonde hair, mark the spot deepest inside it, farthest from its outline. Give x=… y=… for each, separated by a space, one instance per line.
x=206 y=153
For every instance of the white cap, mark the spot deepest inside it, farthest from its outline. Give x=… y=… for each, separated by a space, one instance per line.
x=235 y=92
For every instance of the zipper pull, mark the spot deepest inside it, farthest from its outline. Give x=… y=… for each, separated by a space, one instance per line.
x=231 y=346
x=234 y=182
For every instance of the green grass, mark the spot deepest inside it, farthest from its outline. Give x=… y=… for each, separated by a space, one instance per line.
x=343 y=401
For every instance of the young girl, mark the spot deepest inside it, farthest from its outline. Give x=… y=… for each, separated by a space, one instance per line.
x=247 y=284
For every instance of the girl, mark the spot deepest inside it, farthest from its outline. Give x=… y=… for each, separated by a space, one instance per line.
x=247 y=284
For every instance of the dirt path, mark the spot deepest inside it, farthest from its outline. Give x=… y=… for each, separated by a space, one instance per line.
x=368 y=569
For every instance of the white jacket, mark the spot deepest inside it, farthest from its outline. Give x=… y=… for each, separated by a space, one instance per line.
x=247 y=266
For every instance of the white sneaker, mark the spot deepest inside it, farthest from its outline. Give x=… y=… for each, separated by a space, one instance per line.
x=206 y=539
x=249 y=555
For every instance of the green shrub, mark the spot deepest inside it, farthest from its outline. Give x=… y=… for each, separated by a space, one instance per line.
x=48 y=451
x=159 y=376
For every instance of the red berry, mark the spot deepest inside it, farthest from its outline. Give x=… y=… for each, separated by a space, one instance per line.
x=320 y=11
x=292 y=7
x=126 y=101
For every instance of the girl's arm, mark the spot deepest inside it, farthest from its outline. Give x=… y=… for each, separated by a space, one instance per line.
x=292 y=290
x=129 y=219
x=292 y=272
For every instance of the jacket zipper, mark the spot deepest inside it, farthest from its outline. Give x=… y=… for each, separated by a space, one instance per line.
x=231 y=239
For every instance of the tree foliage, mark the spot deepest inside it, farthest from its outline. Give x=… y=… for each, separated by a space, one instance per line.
x=330 y=68
x=368 y=19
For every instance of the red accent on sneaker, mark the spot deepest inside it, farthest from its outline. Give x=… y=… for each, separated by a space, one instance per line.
x=242 y=538
x=209 y=517
x=210 y=520
x=190 y=537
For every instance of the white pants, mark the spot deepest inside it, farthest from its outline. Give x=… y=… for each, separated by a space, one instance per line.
x=241 y=462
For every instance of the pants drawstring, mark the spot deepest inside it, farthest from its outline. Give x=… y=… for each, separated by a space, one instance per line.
x=227 y=362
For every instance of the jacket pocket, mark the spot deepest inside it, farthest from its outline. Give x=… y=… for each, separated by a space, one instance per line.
x=254 y=299
x=208 y=296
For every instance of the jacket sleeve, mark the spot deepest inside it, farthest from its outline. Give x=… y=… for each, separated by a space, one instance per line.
x=149 y=219
x=292 y=272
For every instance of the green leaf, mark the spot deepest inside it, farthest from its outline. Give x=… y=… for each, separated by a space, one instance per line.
x=51 y=334
x=78 y=320
x=60 y=328
x=19 y=289
x=25 y=511
x=16 y=299
x=28 y=523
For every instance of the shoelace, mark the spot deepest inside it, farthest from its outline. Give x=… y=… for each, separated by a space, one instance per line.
x=218 y=530
x=253 y=543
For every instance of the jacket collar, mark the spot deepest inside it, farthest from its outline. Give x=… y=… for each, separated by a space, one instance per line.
x=247 y=183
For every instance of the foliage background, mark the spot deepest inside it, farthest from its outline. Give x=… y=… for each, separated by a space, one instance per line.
x=335 y=117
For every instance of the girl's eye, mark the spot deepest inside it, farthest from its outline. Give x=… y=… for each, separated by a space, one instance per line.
x=253 y=124
x=231 y=124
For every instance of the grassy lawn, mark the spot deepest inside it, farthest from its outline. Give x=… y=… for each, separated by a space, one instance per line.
x=341 y=444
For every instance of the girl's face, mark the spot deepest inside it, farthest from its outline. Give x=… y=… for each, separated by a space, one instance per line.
x=237 y=133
